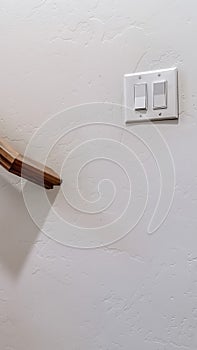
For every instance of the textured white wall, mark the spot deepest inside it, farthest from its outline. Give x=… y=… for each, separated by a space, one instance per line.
x=141 y=292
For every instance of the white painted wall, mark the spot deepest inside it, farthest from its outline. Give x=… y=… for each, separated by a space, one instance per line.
x=140 y=292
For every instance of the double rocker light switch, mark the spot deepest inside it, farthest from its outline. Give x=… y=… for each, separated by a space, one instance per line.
x=159 y=93
x=151 y=95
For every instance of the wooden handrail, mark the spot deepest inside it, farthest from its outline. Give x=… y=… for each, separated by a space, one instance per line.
x=26 y=168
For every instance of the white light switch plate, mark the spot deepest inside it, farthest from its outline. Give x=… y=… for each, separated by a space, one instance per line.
x=150 y=77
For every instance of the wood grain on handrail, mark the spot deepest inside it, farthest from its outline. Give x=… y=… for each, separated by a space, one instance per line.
x=26 y=168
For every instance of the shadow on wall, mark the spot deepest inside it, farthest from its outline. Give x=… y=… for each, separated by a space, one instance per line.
x=17 y=230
